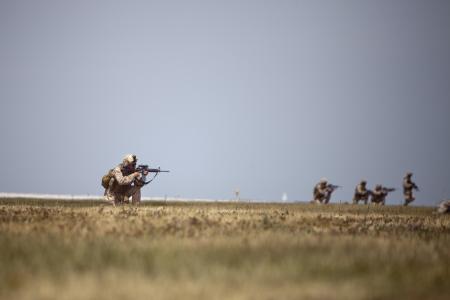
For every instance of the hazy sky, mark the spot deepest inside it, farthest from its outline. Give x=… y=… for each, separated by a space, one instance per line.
x=265 y=96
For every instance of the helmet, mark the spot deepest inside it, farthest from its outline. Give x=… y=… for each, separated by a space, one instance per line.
x=323 y=180
x=378 y=187
x=363 y=182
x=129 y=159
x=409 y=174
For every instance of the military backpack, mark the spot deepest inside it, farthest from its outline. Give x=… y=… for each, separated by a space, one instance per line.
x=107 y=178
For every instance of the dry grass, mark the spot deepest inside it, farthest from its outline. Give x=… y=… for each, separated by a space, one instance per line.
x=73 y=250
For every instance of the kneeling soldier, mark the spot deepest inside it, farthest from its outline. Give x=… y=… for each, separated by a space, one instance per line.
x=361 y=193
x=320 y=191
x=123 y=182
x=379 y=194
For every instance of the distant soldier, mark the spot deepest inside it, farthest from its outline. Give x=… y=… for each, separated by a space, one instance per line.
x=123 y=182
x=320 y=191
x=379 y=194
x=444 y=207
x=408 y=187
x=361 y=193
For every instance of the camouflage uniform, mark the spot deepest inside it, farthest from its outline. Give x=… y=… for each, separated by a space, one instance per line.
x=379 y=195
x=408 y=186
x=320 y=192
x=361 y=193
x=123 y=185
x=444 y=207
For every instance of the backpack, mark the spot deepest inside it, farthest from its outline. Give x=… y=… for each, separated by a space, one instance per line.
x=106 y=179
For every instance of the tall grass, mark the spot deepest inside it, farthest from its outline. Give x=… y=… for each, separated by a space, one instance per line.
x=165 y=250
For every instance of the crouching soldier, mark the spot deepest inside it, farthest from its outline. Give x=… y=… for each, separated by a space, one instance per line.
x=361 y=193
x=123 y=182
x=379 y=194
x=320 y=191
x=408 y=187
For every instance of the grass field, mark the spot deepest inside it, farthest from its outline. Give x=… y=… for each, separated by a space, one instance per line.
x=87 y=250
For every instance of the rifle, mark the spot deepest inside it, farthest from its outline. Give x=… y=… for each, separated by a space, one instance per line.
x=388 y=190
x=144 y=170
x=333 y=187
x=415 y=187
x=330 y=189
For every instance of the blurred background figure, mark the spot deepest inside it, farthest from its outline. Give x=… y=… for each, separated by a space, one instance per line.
x=408 y=187
x=237 y=195
x=444 y=207
x=361 y=193
x=379 y=194
x=320 y=191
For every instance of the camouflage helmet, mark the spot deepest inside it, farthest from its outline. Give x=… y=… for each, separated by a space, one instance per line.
x=378 y=187
x=409 y=174
x=363 y=182
x=129 y=159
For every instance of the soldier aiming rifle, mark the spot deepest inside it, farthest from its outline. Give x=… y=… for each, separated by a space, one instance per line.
x=126 y=180
x=379 y=194
x=322 y=191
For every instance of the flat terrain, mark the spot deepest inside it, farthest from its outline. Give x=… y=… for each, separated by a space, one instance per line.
x=88 y=250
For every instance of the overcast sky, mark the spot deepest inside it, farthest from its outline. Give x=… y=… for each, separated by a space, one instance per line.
x=264 y=96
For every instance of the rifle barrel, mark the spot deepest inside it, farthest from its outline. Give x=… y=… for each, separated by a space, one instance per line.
x=157 y=170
